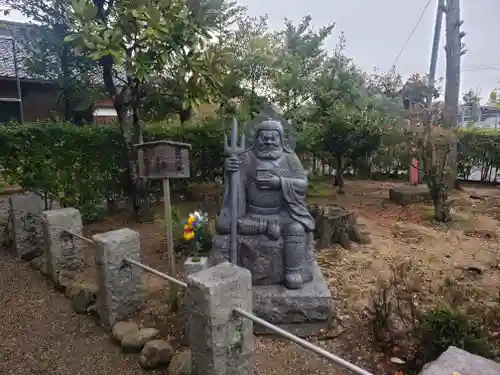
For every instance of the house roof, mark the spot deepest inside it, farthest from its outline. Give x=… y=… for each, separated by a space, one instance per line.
x=22 y=34
x=9 y=32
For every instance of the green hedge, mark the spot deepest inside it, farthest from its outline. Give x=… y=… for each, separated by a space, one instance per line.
x=81 y=165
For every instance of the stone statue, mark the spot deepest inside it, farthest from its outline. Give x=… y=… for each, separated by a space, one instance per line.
x=274 y=226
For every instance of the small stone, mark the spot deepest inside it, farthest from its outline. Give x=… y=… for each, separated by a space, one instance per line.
x=155 y=353
x=474 y=268
x=36 y=263
x=64 y=281
x=120 y=329
x=397 y=360
x=83 y=298
x=180 y=364
x=135 y=341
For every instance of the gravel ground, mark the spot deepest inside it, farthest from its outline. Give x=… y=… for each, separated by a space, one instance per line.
x=41 y=335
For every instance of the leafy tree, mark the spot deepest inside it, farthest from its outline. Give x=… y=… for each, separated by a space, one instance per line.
x=47 y=56
x=177 y=91
x=338 y=109
x=494 y=98
x=249 y=52
x=299 y=59
x=134 y=42
x=471 y=97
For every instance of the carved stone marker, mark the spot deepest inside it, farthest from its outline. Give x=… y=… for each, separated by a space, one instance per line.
x=120 y=292
x=63 y=252
x=221 y=341
x=26 y=225
x=275 y=231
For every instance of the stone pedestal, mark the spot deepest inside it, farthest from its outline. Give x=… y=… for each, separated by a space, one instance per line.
x=303 y=312
x=262 y=257
x=404 y=195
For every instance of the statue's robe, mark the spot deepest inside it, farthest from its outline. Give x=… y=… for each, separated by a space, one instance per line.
x=293 y=186
x=263 y=256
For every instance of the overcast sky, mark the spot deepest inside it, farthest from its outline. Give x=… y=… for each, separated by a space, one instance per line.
x=377 y=30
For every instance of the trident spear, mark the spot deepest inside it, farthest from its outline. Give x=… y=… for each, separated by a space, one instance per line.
x=234 y=181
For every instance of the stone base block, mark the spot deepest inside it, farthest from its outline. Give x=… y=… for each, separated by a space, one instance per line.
x=403 y=195
x=195 y=264
x=263 y=257
x=464 y=363
x=303 y=312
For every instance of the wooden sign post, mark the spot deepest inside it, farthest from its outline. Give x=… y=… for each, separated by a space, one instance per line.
x=163 y=160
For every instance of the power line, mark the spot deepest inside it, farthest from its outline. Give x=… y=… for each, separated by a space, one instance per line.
x=411 y=33
x=481 y=68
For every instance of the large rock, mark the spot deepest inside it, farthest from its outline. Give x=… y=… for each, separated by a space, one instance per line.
x=120 y=329
x=303 y=312
x=82 y=296
x=404 y=195
x=135 y=340
x=464 y=363
x=181 y=364
x=156 y=353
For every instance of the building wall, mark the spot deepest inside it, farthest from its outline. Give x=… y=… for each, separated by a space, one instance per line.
x=39 y=100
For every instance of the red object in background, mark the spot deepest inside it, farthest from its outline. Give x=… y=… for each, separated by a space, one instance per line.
x=414 y=172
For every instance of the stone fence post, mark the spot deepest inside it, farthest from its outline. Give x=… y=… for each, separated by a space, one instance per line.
x=25 y=210
x=63 y=252
x=120 y=292
x=221 y=341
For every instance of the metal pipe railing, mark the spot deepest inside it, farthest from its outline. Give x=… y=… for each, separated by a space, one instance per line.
x=305 y=344
x=154 y=272
x=88 y=240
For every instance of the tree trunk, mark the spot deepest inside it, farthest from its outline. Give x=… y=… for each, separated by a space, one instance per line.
x=441 y=206
x=135 y=188
x=142 y=204
x=339 y=175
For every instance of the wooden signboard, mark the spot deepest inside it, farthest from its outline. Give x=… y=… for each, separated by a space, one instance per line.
x=164 y=159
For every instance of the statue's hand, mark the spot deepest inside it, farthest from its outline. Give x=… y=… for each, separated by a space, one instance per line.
x=273 y=230
x=269 y=183
x=233 y=164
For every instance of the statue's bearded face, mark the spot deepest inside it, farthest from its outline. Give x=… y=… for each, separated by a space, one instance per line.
x=269 y=144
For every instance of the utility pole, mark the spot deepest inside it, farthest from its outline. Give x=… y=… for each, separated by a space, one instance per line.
x=434 y=52
x=430 y=83
x=454 y=51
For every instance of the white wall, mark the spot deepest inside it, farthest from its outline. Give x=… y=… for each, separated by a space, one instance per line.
x=105 y=112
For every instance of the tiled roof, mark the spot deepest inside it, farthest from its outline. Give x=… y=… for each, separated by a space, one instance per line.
x=15 y=31
x=23 y=33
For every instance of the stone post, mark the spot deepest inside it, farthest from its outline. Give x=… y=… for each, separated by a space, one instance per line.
x=120 y=292
x=221 y=341
x=26 y=225
x=63 y=252
x=191 y=265
x=195 y=264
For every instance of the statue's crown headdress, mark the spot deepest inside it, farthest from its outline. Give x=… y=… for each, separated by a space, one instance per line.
x=271 y=119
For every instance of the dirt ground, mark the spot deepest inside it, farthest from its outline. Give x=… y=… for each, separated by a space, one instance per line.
x=398 y=235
